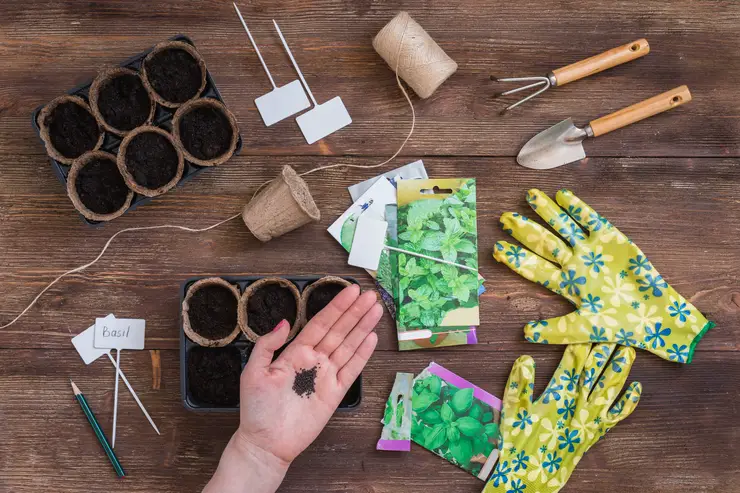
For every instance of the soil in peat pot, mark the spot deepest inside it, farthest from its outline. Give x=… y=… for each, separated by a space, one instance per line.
x=212 y=312
x=124 y=102
x=213 y=375
x=206 y=132
x=320 y=297
x=101 y=187
x=73 y=130
x=174 y=74
x=268 y=305
x=152 y=160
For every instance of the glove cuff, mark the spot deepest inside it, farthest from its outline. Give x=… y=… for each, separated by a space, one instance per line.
x=704 y=330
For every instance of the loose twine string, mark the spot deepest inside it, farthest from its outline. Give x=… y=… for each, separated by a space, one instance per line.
x=201 y=230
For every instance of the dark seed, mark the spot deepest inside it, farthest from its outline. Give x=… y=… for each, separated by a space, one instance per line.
x=305 y=382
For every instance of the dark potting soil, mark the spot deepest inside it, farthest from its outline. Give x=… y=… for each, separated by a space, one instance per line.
x=320 y=297
x=101 y=187
x=206 y=132
x=213 y=375
x=212 y=312
x=152 y=160
x=174 y=74
x=268 y=306
x=73 y=130
x=124 y=102
x=305 y=382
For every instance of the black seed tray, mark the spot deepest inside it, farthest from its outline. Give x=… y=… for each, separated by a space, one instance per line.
x=162 y=118
x=351 y=401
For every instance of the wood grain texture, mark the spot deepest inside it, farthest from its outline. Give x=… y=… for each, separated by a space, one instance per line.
x=671 y=183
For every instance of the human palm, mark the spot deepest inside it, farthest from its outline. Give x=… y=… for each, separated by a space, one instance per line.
x=337 y=343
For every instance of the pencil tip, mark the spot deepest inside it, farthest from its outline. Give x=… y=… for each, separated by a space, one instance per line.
x=75 y=389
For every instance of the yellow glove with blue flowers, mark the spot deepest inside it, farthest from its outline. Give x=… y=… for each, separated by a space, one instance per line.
x=543 y=441
x=619 y=295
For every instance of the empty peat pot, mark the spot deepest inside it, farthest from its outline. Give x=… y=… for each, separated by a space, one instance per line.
x=213 y=376
x=174 y=72
x=97 y=188
x=283 y=205
x=150 y=161
x=69 y=129
x=206 y=130
x=319 y=294
x=265 y=303
x=120 y=100
x=210 y=312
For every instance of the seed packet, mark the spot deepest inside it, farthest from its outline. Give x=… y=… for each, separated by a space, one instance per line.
x=396 y=434
x=437 y=303
x=412 y=171
x=456 y=420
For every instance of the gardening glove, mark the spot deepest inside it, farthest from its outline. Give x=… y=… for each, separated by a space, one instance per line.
x=619 y=295
x=543 y=441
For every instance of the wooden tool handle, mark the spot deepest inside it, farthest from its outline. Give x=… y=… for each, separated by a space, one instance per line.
x=601 y=62
x=640 y=111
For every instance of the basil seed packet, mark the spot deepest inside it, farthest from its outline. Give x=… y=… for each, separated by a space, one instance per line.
x=396 y=434
x=456 y=420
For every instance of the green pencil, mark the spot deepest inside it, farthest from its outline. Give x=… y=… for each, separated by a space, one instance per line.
x=98 y=431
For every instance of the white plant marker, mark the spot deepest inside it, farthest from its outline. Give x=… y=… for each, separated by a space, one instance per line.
x=281 y=102
x=323 y=119
x=113 y=333
x=84 y=343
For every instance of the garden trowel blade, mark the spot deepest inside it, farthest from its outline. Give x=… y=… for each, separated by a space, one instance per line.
x=282 y=102
x=324 y=119
x=558 y=145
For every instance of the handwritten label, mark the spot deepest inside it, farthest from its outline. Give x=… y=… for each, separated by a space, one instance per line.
x=119 y=333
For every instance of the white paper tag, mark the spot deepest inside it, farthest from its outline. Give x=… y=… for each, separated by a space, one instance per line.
x=411 y=171
x=84 y=343
x=368 y=242
x=324 y=119
x=119 y=333
x=282 y=102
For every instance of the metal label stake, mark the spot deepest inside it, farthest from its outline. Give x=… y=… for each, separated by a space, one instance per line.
x=281 y=102
x=323 y=119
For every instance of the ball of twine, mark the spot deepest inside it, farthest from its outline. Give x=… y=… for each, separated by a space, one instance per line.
x=420 y=62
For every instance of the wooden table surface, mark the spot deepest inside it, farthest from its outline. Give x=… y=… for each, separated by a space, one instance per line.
x=671 y=183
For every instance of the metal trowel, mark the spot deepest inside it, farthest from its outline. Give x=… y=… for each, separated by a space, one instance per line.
x=563 y=143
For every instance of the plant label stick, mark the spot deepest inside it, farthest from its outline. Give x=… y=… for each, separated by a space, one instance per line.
x=323 y=119
x=115 y=399
x=281 y=102
x=368 y=243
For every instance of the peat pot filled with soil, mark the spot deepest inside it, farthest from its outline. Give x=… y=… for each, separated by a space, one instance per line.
x=319 y=294
x=69 y=129
x=265 y=303
x=150 y=161
x=174 y=72
x=213 y=376
x=209 y=312
x=206 y=130
x=97 y=188
x=120 y=100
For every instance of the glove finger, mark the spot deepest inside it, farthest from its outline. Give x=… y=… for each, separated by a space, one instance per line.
x=581 y=211
x=519 y=388
x=612 y=381
x=536 y=238
x=528 y=265
x=624 y=406
x=555 y=216
x=563 y=385
x=595 y=364
x=568 y=329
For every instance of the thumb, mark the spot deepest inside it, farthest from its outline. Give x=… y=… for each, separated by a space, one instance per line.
x=266 y=346
x=567 y=329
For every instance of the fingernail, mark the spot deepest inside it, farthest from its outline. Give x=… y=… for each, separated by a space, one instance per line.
x=279 y=325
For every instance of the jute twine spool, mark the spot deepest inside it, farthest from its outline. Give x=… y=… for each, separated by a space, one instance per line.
x=417 y=58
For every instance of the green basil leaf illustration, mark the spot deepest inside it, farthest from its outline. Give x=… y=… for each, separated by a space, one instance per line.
x=462 y=400
x=434 y=384
x=436 y=437
x=453 y=434
x=399 y=414
x=476 y=411
x=423 y=401
x=388 y=415
x=491 y=429
x=469 y=427
x=462 y=451
x=479 y=446
x=448 y=415
x=431 y=417
x=487 y=417
x=488 y=448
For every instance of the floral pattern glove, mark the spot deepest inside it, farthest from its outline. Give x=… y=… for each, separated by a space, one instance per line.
x=619 y=295
x=543 y=441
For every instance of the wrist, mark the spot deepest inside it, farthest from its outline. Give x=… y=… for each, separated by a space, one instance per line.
x=252 y=453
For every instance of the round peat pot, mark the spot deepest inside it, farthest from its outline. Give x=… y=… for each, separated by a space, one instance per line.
x=213 y=376
x=120 y=100
x=265 y=303
x=284 y=205
x=174 y=72
x=206 y=130
x=318 y=294
x=210 y=312
x=97 y=188
x=69 y=129
x=150 y=161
